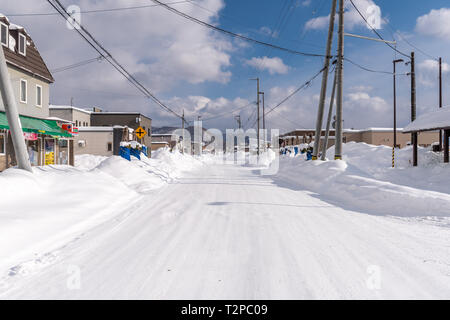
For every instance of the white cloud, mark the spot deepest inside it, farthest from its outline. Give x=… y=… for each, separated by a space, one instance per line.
x=361 y=88
x=436 y=23
x=363 y=110
x=159 y=47
x=272 y=65
x=306 y=3
x=428 y=72
x=368 y=8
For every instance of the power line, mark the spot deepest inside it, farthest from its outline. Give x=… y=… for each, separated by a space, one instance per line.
x=230 y=33
x=406 y=41
x=76 y=65
x=94 y=11
x=365 y=68
x=107 y=55
x=229 y=112
x=307 y=83
x=248 y=120
x=376 y=32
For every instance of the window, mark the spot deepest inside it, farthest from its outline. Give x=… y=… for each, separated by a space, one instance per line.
x=22 y=44
x=76 y=123
x=38 y=95
x=4 y=34
x=23 y=91
x=2 y=143
x=109 y=146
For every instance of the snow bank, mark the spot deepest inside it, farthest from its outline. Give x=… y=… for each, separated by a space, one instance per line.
x=46 y=209
x=364 y=180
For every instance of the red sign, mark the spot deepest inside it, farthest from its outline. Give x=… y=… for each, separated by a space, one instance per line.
x=67 y=126
x=30 y=136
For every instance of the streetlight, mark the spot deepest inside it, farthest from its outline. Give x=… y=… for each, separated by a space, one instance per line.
x=395 y=113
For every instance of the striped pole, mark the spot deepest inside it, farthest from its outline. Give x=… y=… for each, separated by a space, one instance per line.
x=393 y=157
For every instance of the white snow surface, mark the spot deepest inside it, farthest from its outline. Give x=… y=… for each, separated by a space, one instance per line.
x=181 y=227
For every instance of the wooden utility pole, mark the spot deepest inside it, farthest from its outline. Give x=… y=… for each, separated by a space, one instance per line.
x=339 y=70
x=330 y=114
x=395 y=111
x=413 y=108
x=257 y=102
x=15 y=127
x=182 y=127
x=323 y=89
x=440 y=98
x=264 y=120
x=238 y=119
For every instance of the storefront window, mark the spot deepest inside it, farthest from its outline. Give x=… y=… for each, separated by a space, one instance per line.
x=33 y=152
x=63 y=156
x=49 y=148
x=2 y=143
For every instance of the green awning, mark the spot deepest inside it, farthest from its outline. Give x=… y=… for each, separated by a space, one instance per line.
x=36 y=125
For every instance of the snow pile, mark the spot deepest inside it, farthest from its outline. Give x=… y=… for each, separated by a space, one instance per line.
x=364 y=180
x=88 y=161
x=49 y=207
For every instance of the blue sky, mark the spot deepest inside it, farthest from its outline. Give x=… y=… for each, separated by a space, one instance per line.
x=207 y=73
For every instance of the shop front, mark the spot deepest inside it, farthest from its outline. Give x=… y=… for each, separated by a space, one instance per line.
x=46 y=141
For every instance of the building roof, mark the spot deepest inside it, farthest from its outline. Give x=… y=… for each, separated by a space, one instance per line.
x=372 y=129
x=434 y=120
x=56 y=107
x=32 y=62
x=103 y=113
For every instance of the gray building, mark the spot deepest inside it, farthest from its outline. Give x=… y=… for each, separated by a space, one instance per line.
x=46 y=141
x=132 y=120
x=78 y=116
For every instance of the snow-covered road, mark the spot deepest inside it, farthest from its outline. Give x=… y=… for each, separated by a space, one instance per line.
x=225 y=232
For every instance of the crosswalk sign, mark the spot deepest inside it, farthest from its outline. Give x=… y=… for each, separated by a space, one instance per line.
x=140 y=132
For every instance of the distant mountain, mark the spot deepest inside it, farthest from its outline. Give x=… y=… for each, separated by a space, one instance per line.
x=163 y=130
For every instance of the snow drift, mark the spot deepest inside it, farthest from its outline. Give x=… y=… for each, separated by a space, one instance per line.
x=364 y=180
x=47 y=208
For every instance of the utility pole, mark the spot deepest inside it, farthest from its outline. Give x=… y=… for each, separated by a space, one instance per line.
x=323 y=89
x=9 y=102
x=263 y=120
x=257 y=95
x=238 y=119
x=330 y=114
x=182 y=127
x=395 y=113
x=440 y=99
x=339 y=73
x=413 y=108
x=257 y=106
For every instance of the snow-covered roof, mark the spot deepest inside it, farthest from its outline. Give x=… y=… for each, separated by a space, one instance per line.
x=2 y=16
x=56 y=107
x=95 y=129
x=59 y=119
x=438 y=119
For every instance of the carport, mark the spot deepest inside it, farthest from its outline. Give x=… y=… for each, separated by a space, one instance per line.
x=432 y=121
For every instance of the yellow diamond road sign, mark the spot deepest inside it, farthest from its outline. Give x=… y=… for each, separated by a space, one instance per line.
x=140 y=132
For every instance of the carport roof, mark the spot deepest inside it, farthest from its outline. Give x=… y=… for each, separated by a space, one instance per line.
x=434 y=120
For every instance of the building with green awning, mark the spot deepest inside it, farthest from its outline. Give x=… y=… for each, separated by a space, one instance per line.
x=36 y=125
